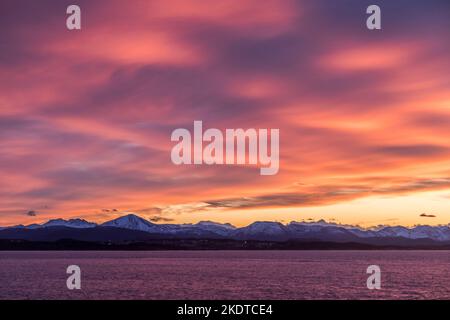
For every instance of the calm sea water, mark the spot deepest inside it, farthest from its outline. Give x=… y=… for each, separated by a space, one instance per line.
x=226 y=275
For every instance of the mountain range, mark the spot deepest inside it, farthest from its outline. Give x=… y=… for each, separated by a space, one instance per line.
x=132 y=228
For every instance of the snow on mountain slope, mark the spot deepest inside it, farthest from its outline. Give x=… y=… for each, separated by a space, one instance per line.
x=33 y=226
x=72 y=223
x=267 y=227
x=441 y=233
x=264 y=230
x=218 y=228
x=438 y=233
x=397 y=231
x=260 y=230
x=319 y=231
x=314 y=227
x=133 y=222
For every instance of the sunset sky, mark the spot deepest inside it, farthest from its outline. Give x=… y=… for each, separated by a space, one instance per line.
x=364 y=116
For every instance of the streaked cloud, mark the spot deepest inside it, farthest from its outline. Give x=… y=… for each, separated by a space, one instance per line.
x=424 y=215
x=85 y=118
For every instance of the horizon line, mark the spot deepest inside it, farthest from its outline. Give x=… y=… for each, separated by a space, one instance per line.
x=227 y=223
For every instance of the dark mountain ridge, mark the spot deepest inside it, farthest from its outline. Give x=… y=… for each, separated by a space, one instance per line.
x=133 y=229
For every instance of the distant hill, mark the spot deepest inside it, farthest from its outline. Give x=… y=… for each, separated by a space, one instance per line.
x=132 y=229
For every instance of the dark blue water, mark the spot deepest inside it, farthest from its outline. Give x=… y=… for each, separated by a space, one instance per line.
x=226 y=275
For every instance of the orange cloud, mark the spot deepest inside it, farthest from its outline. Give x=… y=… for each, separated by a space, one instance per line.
x=86 y=117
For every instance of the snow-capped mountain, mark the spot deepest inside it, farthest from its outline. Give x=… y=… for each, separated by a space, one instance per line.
x=133 y=222
x=321 y=231
x=33 y=226
x=438 y=233
x=207 y=230
x=397 y=231
x=72 y=223
x=260 y=230
x=223 y=229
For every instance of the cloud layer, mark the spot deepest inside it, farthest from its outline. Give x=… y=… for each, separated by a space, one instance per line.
x=86 y=116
